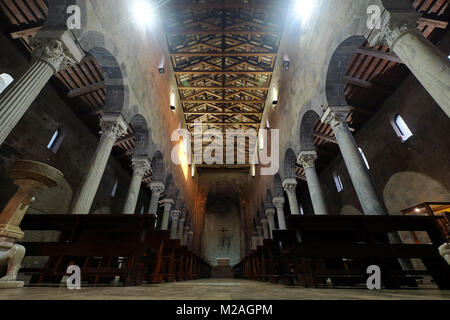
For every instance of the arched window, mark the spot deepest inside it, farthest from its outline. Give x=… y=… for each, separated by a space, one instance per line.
x=142 y=209
x=401 y=128
x=56 y=140
x=114 y=189
x=5 y=81
x=302 y=212
x=338 y=182
x=364 y=158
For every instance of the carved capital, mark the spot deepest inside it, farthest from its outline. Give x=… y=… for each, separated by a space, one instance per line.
x=264 y=222
x=176 y=214
x=279 y=202
x=335 y=115
x=113 y=126
x=395 y=23
x=307 y=159
x=290 y=185
x=57 y=49
x=270 y=212
x=140 y=165
x=168 y=203
x=157 y=187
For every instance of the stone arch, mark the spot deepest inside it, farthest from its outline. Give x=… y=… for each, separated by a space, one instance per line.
x=158 y=167
x=102 y=48
x=307 y=126
x=290 y=160
x=406 y=189
x=269 y=200
x=348 y=210
x=337 y=70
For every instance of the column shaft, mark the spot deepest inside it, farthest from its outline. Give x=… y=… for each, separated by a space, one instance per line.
x=428 y=64
x=20 y=97
x=174 y=229
x=133 y=193
x=315 y=191
x=165 y=219
x=279 y=204
x=370 y=202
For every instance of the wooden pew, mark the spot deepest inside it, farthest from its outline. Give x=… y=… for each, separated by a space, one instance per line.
x=318 y=245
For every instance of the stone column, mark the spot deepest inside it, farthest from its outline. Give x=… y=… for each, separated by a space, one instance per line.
x=367 y=195
x=428 y=64
x=157 y=188
x=265 y=227
x=307 y=160
x=184 y=239
x=50 y=56
x=168 y=203
x=140 y=166
x=31 y=178
x=190 y=239
x=279 y=204
x=290 y=186
x=260 y=235
x=113 y=127
x=270 y=213
x=174 y=231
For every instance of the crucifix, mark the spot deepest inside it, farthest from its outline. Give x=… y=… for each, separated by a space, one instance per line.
x=223 y=230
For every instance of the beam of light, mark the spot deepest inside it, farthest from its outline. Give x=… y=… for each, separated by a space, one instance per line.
x=143 y=12
x=182 y=156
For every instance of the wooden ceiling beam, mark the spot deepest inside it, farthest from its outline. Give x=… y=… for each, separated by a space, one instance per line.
x=223 y=113
x=379 y=54
x=223 y=32
x=223 y=72
x=224 y=88
x=224 y=101
x=87 y=89
x=223 y=54
x=325 y=137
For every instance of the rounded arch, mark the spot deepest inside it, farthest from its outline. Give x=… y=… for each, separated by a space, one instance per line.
x=406 y=189
x=307 y=127
x=115 y=75
x=158 y=167
x=337 y=70
x=290 y=160
x=141 y=133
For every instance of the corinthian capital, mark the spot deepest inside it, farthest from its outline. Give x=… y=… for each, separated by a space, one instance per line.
x=270 y=212
x=140 y=165
x=176 y=214
x=395 y=23
x=57 y=49
x=157 y=187
x=289 y=185
x=279 y=202
x=307 y=159
x=113 y=126
x=335 y=115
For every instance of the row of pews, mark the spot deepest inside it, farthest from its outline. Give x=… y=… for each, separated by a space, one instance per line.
x=319 y=251
x=109 y=249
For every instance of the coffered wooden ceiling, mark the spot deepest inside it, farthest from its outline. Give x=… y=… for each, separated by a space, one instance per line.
x=223 y=54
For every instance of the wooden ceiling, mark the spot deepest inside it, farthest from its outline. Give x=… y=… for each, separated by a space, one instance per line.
x=82 y=84
x=373 y=76
x=223 y=55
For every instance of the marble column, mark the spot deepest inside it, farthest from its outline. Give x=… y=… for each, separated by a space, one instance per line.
x=428 y=64
x=190 y=239
x=367 y=195
x=265 y=227
x=113 y=127
x=270 y=213
x=50 y=56
x=168 y=203
x=174 y=230
x=140 y=166
x=290 y=186
x=307 y=159
x=157 y=189
x=184 y=240
x=279 y=204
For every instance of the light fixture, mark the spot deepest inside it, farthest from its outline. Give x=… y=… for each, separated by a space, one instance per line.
x=418 y=210
x=143 y=12
x=275 y=102
x=304 y=9
x=253 y=171
x=286 y=61
x=162 y=70
x=173 y=108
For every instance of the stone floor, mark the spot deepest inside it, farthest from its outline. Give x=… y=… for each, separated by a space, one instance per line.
x=217 y=289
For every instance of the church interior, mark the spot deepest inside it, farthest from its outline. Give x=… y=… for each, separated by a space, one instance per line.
x=224 y=149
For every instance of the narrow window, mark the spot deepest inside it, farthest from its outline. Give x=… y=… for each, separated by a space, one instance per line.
x=401 y=128
x=114 y=189
x=5 y=81
x=142 y=209
x=56 y=140
x=338 y=182
x=363 y=156
x=302 y=212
